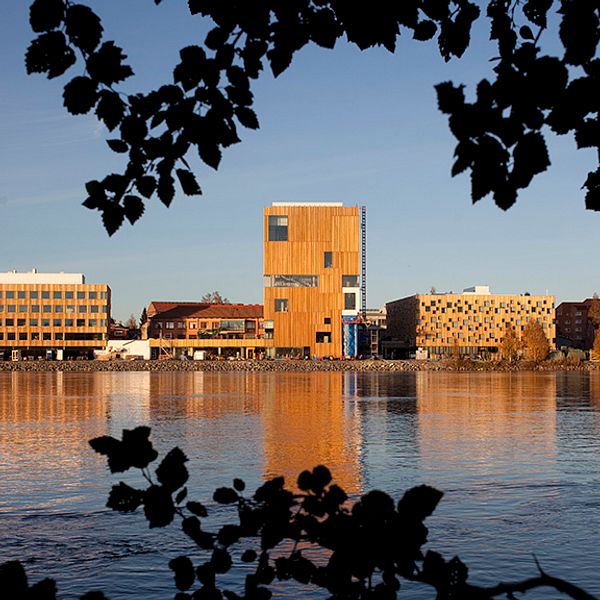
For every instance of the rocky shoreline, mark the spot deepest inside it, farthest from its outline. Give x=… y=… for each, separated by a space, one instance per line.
x=292 y=365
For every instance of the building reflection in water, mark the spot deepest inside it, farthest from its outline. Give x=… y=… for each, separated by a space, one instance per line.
x=298 y=420
x=478 y=422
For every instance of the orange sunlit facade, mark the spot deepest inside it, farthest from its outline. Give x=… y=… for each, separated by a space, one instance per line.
x=312 y=269
x=42 y=312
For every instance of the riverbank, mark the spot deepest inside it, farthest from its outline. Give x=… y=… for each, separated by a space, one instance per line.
x=293 y=365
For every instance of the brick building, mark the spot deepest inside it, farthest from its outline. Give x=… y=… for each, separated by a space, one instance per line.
x=573 y=327
x=218 y=329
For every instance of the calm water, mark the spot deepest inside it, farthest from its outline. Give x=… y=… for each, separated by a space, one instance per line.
x=517 y=455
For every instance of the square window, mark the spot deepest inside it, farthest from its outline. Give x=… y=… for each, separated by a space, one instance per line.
x=94 y=308
x=92 y=323
x=80 y=322
x=68 y=295
x=22 y=337
x=35 y=308
x=68 y=322
x=10 y=335
x=351 y=281
x=82 y=308
x=57 y=336
x=350 y=301
x=80 y=295
x=323 y=337
x=56 y=322
x=46 y=335
x=20 y=322
x=10 y=295
x=46 y=308
x=70 y=308
x=278 y=228
x=22 y=308
x=46 y=295
x=328 y=260
x=21 y=295
x=58 y=308
x=57 y=295
x=33 y=322
x=45 y=322
x=327 y=321
x=35 y=335
x=92 y=295
x=281 y=305
x=33 y=295
x=9 y=322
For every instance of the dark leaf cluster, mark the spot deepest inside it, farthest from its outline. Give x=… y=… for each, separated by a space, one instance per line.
x=366 y=548
x=500 y=135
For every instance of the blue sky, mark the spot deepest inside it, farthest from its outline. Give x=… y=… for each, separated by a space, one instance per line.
x=362 y=128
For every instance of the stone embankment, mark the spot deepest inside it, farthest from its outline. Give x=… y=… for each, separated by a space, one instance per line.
x=291 y=365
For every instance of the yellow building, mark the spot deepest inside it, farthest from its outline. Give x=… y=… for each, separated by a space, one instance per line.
x=57 y=312
x=312 y=269
x=474 y=321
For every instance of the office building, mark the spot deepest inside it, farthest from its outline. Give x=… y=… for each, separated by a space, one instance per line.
x=472 y=322
x=52 y=315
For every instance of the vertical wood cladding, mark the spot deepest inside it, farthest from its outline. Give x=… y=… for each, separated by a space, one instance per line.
x=312 y=231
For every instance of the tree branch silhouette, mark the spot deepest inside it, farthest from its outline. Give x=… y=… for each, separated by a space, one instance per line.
x=500 y=135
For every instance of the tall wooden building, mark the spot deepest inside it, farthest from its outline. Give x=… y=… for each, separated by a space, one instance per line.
x=312 y=269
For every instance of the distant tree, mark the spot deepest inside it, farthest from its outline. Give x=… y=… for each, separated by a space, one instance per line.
x=214 y=298
x=596 y=346
x=535 y=342
x=143 y=316
x=510 y=344
x=131 y=322
x=594 y=311
x=500 y=135
x=432 y=290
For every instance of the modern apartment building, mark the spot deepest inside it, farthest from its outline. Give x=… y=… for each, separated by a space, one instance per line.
x=57 y=312
x=573 y=327
x=473 y=321
x=225 y=330
x=312 y=271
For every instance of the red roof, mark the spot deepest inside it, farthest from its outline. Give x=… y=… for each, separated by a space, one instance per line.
x=191 y=310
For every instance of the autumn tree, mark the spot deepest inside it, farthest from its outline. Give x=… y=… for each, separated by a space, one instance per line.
x=596 y=346
x=510 y=344
x=535 y=342
x=214 y=298
x=594 y=311
x=500 y=134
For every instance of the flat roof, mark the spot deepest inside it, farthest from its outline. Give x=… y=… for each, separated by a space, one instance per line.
x=307 y=204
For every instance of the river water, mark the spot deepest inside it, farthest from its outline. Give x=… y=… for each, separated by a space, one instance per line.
x=517 y=455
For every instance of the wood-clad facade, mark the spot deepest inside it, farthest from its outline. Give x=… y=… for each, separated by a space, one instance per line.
x=312 y=276
x=39 y=313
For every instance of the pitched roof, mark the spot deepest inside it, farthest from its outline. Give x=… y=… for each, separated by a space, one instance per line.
x=190 y=310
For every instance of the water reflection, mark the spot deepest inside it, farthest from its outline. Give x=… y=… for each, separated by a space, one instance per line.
x=518 y=456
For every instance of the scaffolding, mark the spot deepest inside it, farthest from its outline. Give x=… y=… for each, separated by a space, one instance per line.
x=363 y=258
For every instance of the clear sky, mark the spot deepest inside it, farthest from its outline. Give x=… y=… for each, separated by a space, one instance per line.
x=362 y=128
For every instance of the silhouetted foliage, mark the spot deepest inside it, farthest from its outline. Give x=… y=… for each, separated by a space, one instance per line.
x=500 y=134
x=365 y=548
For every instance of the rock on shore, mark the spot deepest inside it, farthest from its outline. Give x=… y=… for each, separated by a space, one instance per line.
x=289 y=365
